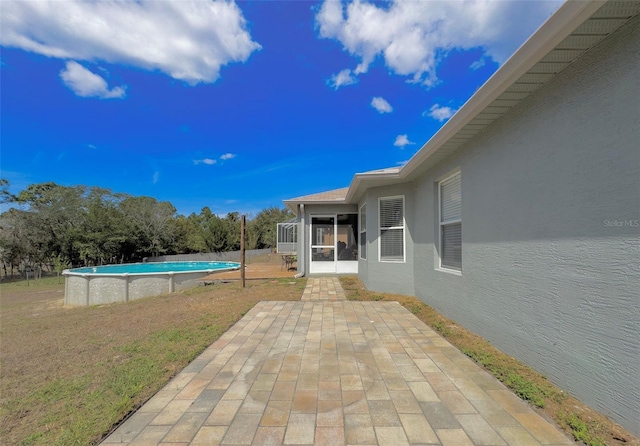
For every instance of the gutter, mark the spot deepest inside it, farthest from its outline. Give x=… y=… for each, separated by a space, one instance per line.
x=301 y=243
x=558 y=27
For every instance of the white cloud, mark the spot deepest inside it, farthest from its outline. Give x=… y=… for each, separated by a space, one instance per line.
x=212 y=161
x=402 y=141
x=156 y=177
x=188 y=40
x=477 y=64
x=208 y=161
x=381 y=105
x=440 y=113
x=87 y=84
x=411 y=36
x=91 y=146
x=345 y=77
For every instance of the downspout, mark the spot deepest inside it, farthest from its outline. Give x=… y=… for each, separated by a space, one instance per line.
x=301 y=233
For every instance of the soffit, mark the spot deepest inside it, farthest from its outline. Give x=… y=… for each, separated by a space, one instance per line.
x=603 y=22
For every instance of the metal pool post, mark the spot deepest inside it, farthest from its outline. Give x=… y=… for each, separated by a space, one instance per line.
x=126 y=287
x=87 y=288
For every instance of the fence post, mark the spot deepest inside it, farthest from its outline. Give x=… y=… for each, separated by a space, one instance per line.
x=243 y=222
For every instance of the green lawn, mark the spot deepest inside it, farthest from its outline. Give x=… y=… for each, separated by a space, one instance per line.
x=69 y=375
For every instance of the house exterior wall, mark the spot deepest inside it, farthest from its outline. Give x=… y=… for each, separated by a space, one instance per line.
x=550 y=235
x=363 y=264
x=391 y=277
x=319 y=209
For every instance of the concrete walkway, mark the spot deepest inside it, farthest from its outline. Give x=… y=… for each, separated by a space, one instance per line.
x=328 y=371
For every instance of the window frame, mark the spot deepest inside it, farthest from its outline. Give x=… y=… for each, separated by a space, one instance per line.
x=363 y=232
x=450 y=222
x=403 y=227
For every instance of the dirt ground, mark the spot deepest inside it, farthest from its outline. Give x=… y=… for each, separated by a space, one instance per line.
x=269 y=266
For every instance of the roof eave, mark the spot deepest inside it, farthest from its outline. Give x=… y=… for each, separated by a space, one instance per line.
x=559 y=26
x=293 y=204
x=360 y=179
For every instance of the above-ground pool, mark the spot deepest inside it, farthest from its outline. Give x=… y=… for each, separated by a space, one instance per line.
x=122 y=283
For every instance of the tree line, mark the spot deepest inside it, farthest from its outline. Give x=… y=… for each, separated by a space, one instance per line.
x=56 y=227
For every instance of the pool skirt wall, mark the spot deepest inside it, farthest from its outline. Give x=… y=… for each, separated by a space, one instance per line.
x=97 y=289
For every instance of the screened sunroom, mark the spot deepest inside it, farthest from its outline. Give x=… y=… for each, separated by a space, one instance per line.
x=287 y=240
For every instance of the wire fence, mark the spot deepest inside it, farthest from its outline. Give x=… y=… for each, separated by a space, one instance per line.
x=231 y=256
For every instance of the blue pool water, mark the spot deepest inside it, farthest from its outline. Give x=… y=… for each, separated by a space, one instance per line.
x=156 y=267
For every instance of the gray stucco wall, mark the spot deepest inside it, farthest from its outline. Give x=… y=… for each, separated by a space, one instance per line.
x=390 y=277
x=550 y=210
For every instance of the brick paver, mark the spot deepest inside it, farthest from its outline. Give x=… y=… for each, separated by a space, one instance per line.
x=323 y=288
x=325 y=370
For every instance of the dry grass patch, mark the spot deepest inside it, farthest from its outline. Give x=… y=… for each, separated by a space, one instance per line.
x=70 y=374
x=578 y=420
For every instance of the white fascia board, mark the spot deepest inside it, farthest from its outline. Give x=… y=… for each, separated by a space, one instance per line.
x=360 y=178
x=558 y=27
x=294 y=204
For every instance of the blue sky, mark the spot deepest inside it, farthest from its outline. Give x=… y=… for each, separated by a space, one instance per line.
x=237 y=106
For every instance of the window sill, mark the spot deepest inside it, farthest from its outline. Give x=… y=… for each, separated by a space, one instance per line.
x=455 y=272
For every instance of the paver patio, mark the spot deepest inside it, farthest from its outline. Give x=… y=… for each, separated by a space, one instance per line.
x=328 y=371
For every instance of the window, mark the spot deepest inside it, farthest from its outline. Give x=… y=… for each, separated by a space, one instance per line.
x=363 y=232
x=391 y=224
x=451 y=223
